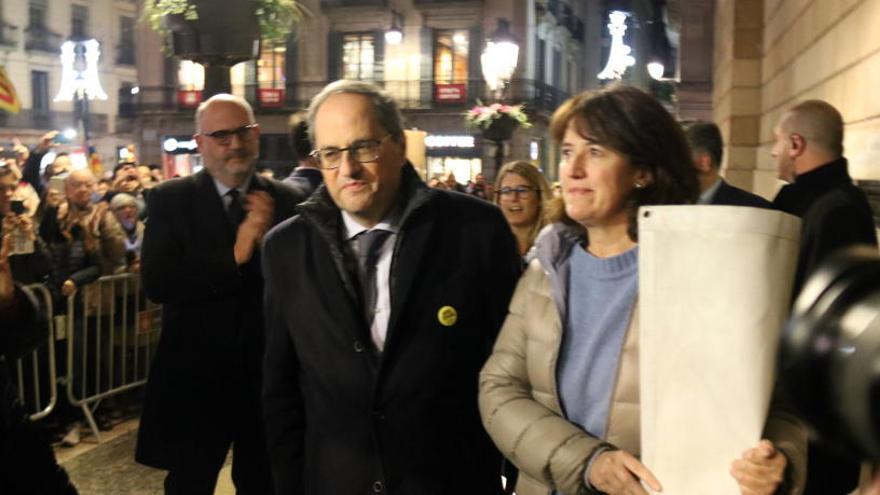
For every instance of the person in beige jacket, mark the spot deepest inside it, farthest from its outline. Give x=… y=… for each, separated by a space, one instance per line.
x=560 y=394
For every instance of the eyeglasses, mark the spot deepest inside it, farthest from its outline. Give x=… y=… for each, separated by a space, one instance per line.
x=224 y=136
x=363 y=151
x=509 y=192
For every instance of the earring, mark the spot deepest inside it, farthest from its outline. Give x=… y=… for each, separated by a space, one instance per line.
x=639 y=185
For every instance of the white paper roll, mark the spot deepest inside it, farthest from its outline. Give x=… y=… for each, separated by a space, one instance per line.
x=714 y=290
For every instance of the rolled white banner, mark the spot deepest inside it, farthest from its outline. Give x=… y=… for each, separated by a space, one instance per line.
x=714 y=290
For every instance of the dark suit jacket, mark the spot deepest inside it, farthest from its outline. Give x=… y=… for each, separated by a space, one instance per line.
x=306 y=179
x=342 y=418
x=207 y=364
x=734 y=196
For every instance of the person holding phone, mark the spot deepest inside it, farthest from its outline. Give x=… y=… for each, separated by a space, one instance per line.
x=59 y=167
x=28 y=258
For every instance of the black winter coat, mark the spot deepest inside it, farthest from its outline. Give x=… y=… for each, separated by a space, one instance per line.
x=27 y=462
x=835 y=214
x=342 y=418
x=207 y=364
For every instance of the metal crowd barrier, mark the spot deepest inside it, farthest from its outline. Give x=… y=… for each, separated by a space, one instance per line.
x=32 y=387
x=112 y=331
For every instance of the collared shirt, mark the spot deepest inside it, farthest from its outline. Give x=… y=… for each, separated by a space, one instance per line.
x=707 y=195
x=222 y=189
x=382 y=311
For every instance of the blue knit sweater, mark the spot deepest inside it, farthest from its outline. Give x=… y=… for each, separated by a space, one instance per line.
x=601 y=294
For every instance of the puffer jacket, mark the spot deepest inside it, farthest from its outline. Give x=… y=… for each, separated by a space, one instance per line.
x=519 y=398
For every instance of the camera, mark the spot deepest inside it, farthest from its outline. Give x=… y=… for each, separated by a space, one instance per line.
x=17 y=207
x=830 y=352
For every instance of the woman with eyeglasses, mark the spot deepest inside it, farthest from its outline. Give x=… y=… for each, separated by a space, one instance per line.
x=559 y=395
x=520 y=192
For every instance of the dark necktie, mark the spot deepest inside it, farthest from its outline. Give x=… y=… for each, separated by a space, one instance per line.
x=369 y=247
x=235 y=211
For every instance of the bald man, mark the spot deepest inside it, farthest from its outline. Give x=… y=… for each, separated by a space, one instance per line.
x=835 y=214
x=200 y=259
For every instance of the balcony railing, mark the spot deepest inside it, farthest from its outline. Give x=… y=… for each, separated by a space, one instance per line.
x=410 y=95
x=41 y=39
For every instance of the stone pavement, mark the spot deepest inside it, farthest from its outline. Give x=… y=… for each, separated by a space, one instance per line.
x=108 y=468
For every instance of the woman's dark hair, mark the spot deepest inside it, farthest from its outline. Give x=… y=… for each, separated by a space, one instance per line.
x=634 y=124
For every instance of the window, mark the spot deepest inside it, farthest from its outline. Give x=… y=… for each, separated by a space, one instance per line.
x=191 y=76
x=541 y=60
x=79 y=22
x=40 y=92
x=37 y=15
x=556 y=81
x=270 y=66
x=358 y=57
x=451 y=57
x=125 y=52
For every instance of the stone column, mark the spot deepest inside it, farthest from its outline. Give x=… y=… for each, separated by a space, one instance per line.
x=736 y=94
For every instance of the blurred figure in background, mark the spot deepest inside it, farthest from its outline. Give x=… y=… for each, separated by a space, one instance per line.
x=520 y=192
x=306 y=176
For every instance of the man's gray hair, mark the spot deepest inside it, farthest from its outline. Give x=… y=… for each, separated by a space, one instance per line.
x=224 y=97
x=385 y=108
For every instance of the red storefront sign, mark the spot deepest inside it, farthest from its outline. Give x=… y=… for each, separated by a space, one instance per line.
x=450 y=93
x=270 y=98
x=189 y=98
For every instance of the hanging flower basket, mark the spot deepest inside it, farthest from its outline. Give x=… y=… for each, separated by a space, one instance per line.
x=496 y=121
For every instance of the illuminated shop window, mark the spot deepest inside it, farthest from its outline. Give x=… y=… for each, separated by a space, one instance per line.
x=358 y=57
x=451 y=57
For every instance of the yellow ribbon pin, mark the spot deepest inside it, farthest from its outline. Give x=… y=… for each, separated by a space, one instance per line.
x=447 y=316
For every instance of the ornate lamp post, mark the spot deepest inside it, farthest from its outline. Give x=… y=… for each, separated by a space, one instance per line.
x=498 y=62
x=79 y=79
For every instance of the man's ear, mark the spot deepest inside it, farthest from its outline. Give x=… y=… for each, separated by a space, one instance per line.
x=798 y=145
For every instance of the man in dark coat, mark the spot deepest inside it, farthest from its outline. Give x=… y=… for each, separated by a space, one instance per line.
x=371 y=381
x=835 y=214
x=200 y=259
x=306 y=176
x=707 y=147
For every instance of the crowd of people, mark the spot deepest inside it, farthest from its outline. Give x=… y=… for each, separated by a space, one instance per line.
x=337 y=355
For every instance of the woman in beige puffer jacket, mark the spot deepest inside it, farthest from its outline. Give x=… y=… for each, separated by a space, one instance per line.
x=620 y=150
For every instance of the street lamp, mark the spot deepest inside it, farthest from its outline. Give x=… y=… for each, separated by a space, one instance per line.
x=394 y=35
x=79 y=79
x=619 y=58
x=499 y=59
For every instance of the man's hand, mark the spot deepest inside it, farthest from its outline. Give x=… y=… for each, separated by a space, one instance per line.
x=46 y=142
x=260 y=209
x=617 y=472
x=760 y=470
x=68 y=287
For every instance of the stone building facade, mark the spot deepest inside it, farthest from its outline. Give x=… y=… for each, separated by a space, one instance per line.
x=772 y=54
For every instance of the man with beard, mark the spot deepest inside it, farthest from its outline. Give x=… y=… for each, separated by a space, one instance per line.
x=200 y=259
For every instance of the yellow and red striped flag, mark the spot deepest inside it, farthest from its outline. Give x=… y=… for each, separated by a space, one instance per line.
x=8 y=98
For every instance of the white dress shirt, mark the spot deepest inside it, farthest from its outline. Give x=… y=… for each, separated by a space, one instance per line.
x=382 y=311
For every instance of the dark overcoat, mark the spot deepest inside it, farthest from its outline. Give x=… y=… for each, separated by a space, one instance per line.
x=834 y=214
x=206 y=370
x=342 y=417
